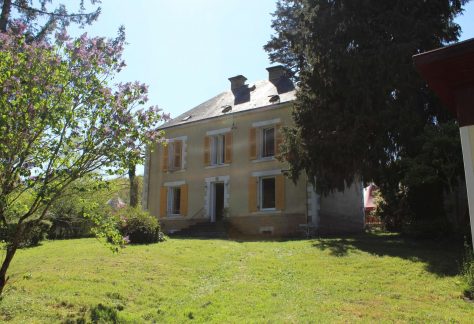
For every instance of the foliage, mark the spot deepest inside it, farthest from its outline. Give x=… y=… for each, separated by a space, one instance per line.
x=32 y=237
x=396 y=280
x=68 y=213
x=138 y=226
x=362 y=111
x=103 y=314
x=61 y=120
x=467 y=272
x=42 y=20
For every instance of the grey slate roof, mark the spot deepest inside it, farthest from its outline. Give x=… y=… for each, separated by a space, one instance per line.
x=260 y=94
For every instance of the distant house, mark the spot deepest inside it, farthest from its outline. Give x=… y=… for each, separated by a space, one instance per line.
x=220 y=162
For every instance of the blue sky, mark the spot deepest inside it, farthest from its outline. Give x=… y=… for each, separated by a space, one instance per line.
x=187 y=49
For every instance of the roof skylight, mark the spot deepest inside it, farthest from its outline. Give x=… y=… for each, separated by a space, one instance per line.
x=226 y=108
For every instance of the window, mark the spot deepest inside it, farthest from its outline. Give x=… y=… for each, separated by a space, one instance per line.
x=217 y=149
x=173 y=155
x=174 y=200
x=264 y=140
x=268 y=142
x=175 y=149
x=267 y=193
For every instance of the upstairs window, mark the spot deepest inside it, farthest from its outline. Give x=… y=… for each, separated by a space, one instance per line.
x=217 y=149
x=173 y=155
x=268 y=142
x=264 y=141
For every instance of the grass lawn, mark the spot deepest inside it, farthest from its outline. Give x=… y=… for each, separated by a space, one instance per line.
x=363 y=278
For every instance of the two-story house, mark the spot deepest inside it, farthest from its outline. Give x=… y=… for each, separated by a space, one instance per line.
x=220 y=162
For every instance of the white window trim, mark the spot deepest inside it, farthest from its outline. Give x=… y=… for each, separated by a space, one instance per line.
x=267 y=212
x=265 y=159
x=217 y=149
x=207 y=196
x=183 y=140
x=264 y=123
x=266 y=173
x=180 y=138
x=174 y=183
x=212 y=166
x=261 y=125
x=218 y=131
x=217 y=179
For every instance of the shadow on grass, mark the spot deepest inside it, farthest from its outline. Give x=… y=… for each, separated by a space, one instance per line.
x=441 y=257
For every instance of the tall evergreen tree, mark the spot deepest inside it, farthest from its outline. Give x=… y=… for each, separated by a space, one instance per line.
x=41 y=19
x=361 y=107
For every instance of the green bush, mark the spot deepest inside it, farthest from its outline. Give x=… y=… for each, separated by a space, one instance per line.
x=138 y=226
x=103 y=314
x=33 y=233
x=467 y=272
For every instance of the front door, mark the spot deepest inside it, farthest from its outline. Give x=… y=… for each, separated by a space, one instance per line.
x=217 y=201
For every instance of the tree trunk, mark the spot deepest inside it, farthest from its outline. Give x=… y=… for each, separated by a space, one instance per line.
x=6 y=263
x=11 y=250
x=5 y=15
x=133 y=186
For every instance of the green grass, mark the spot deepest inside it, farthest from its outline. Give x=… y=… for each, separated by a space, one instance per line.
x=365 y=278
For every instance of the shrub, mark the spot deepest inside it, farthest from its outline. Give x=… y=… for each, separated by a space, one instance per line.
x=139 y=226
x=103 y=314
x=34 y=233
x=467 y=272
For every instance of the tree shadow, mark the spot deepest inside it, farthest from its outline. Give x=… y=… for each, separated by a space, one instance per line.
x=441 y=257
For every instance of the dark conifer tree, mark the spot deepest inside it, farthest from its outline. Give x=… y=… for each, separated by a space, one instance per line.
x=361 y=109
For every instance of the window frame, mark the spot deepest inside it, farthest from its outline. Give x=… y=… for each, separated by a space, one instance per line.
x=171 y=200
x=217 y=149
x=263 y=140
x=172 y=154
x=260 y=193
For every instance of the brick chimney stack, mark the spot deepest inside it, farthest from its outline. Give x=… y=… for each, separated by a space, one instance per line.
x=275 y=73
x=237 y=82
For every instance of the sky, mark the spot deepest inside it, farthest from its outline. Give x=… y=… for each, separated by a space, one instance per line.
x=185 y=50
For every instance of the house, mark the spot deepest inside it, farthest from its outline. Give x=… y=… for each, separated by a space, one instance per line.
x=220 y=163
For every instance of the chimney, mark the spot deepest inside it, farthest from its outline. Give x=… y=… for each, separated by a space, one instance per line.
x=275 y=73
x=237 y=82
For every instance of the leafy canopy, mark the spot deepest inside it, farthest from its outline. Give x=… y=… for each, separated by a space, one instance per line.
x=360 y=103
x=60 y=119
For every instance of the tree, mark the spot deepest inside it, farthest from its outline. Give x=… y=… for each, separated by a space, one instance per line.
x=361 y=107
x=60 y=120
x=41 y=21
x=133 y=147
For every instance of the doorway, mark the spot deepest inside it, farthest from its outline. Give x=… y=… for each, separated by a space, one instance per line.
x=217 y=201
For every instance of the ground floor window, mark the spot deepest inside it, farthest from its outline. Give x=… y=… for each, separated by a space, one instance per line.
x=267 y=193
x=174 y=200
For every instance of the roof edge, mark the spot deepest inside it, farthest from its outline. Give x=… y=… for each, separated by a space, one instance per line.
x=267 y=107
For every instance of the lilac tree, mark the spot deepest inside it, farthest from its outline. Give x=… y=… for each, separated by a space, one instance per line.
x=61 y=120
